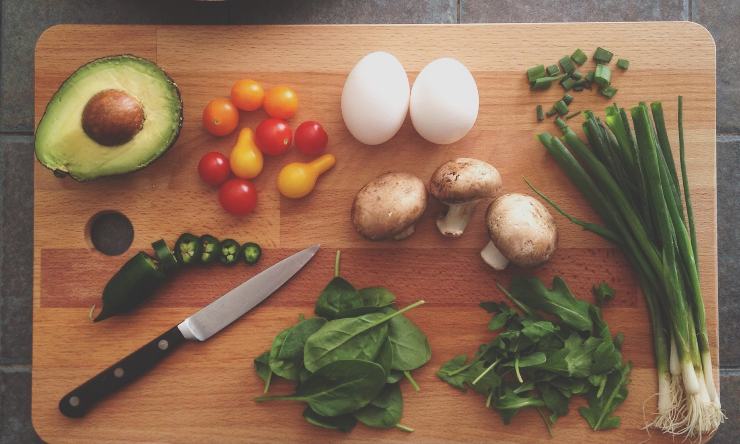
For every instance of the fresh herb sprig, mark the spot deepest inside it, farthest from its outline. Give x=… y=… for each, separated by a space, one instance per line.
x=549 y=348
x=349 y=359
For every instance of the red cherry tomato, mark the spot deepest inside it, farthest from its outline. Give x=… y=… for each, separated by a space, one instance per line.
x=273 y=136
x=213 y=168
x=310 y=138
x=238 y=196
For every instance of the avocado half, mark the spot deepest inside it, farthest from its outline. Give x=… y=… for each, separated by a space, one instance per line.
x=112 y=116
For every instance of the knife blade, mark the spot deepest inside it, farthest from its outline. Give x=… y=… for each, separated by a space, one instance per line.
x=200 y=326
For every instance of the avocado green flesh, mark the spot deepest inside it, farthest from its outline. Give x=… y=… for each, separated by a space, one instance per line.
x=62 y=144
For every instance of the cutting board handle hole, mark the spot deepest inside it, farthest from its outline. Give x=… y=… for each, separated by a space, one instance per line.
x=110 y=232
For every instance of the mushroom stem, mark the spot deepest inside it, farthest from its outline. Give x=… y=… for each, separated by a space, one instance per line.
x=493 y=257
x=453 y=223
x=405 y=233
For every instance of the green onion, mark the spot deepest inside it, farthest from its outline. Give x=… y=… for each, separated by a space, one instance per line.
x=535 y=73
x=540 y=113
x=567 y=83
x=551 y=112
x=544 y=82
x=608 y=91
x=561 y=107
x=567 y=64
x=570 y=116
x=623 y=64
x=553 y=70
x=630 y=180
x=579 y=57
x=560 y=123
x=567 y=99
x=590 y=76
x=576 y=75
x=602 y=75
x=602 y=55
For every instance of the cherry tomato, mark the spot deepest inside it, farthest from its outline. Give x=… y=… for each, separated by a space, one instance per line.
x=273 y=136
x=213 y=168
x=310 y=138
x=247 y=95
x=238 y=196
x=220 y=117
x=281 y=102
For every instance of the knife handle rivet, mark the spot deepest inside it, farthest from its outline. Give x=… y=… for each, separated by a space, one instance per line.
x=118 y=372
x=163 y=344
x=74 y=401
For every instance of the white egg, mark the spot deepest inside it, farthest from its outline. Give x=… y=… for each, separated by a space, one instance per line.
x=375 y=98
x=444 y=101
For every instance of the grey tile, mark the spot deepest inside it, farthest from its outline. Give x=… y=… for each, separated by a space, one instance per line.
x=730 y=391
x=476 y=11
x=15 y=407
x=24 y=20
x=728 y=213
x=16 y=249
x=721 y=17
x=344 y=11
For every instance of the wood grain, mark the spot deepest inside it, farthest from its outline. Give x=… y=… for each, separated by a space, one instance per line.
x=204 y=393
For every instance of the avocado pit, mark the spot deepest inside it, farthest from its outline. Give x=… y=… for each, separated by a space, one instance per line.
x=112 y=117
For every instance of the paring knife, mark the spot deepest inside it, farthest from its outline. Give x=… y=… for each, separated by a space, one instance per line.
x=200 y=326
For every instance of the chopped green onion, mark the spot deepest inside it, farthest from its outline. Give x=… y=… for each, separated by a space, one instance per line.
x=603 y=75
x=578 y=88
x=590 y=76
x=540 y=113
x=602 y=55
x=567 y=99
x=608 y=91
x=561 y=107
x=567 y=84
x=567 y=64
x=535 y=73
x=551 y=112
x=553 y=70
x=561 y=123
x=576 y=75
x=623 y=64
x=583 y=83
x=544 y=82
x=579 y=57
x=570 y=116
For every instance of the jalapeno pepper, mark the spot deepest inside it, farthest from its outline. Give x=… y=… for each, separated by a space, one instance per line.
x=251 y=253
x=187 y=249
x=165 y=257
x=229 y=252
x=134 y=282
x=209 y=249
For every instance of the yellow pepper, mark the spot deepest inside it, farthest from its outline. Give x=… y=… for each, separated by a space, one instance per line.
x=298 y=179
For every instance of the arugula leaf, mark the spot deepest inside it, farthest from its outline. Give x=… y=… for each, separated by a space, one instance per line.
x=510 y=403
x=536 y=330
x=554 y=400
x=603 y=293
x=453 y=372
x=558 y=301
x=600 y=408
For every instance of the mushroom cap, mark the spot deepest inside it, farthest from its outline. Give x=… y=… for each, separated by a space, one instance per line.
x=388 y=205
x=463 y=180
x=522 y=229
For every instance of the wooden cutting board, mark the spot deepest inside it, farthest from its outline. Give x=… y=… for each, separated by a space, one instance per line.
x=204 y=393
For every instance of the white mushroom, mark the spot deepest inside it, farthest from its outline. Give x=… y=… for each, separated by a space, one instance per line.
x=522 y=231
x=389 y=206
x=460 y=184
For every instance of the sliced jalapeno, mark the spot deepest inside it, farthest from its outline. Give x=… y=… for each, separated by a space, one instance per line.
x=209 y=249
x=187 y=249
x=251 y=253
x=230 y=251
x=134 y=282
x=165 y=256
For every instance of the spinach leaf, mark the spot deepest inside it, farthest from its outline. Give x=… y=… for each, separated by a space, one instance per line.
x=558 y=302
x=262 y=366
x=344 y=423
x=340 y=300
x=393 y=376
x=407 y=348
x=338 y=388
x=385 y=410
x=349 y=338
x=286 y=354
x=600 y=408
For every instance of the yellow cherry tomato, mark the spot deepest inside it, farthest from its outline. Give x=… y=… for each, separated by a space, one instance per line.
x=246 y=159
x=298 y=179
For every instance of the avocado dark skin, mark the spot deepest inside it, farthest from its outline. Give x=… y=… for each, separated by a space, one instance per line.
x=112 y=117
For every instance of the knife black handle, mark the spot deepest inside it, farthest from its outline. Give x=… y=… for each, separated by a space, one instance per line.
x=79 y=401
